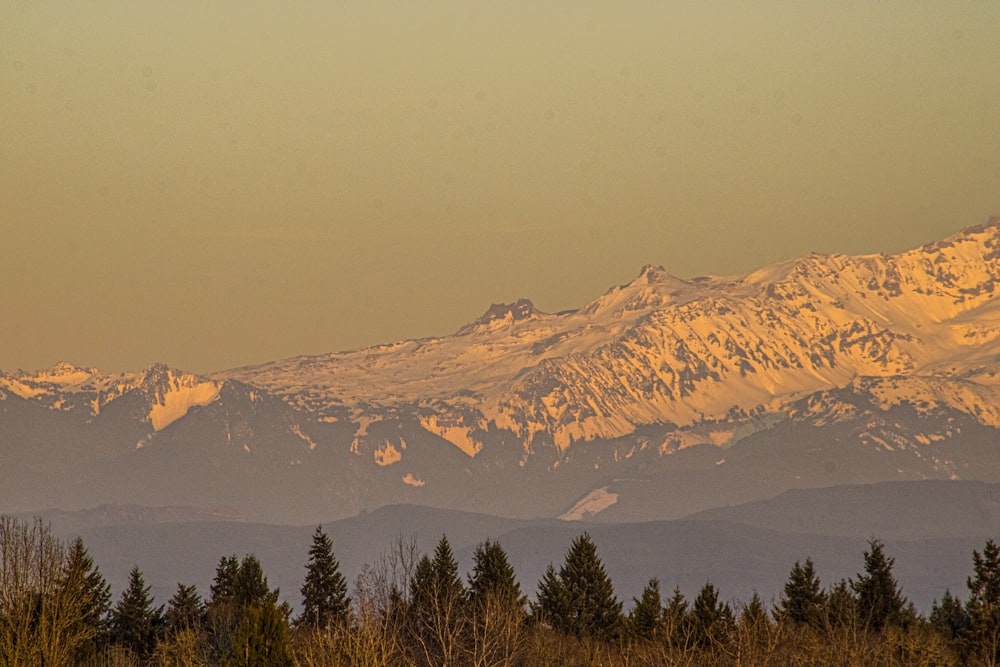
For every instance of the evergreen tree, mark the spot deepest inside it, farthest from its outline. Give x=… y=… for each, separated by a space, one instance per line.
x=250 y=586
x=879 y=601
x=840 y=608
x=238 y=586
x=949 y=617
x=753 y=615
x=983 y=606
x=675 y=618
x=587 y=603
x=185 y=610
x=223 y=589
x=803 y=599
x=135 y=623
x=551 y=604
x=260 y=640
x=712 y=622
x=437 y=606
x=646 y=618
x=83 y=583
x=493 y=575
x=497 y=607
x=324 y=593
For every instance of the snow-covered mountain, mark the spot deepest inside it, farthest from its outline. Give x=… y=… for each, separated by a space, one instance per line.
x=639 y=403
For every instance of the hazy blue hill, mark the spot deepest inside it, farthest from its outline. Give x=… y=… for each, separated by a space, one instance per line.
x=892 y=510
x=738 y=558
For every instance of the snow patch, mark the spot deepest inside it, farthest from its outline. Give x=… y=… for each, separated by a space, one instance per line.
x=387 y=454
x=591 y=504
x=408 y=478
x=182 y=395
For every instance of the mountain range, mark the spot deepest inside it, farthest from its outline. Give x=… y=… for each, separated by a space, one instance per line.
x=661 y=398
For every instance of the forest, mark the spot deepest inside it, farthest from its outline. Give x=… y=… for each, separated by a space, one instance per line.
x=412 y=608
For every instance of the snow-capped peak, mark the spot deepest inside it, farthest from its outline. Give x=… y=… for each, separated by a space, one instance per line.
x=500 y=315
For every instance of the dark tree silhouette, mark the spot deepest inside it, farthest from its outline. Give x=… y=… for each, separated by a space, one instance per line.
x=803 y=600
x=324 y=593
x=135 y=623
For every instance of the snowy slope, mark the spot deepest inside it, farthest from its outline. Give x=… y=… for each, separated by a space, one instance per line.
x=665 y=350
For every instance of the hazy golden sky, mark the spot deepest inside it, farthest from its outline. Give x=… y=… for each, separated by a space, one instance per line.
x=212 y=184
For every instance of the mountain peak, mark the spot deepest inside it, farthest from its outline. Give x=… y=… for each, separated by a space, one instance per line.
x=503 y=314
x=654 y=275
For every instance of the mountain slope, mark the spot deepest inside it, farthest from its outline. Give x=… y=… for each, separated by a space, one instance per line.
x=662 y=397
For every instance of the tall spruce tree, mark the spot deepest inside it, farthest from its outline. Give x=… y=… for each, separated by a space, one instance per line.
x=493 y=575
x=983 y=606
x=675 y=613
x=711 y=622
x=83 y=582
x=238 y=587
x=803 y=600
x=185 y=610
x=438 y=606
x=135 y=623
x=581 y=601
x=324 y=593
x=261 y=639
x=879 y=601
x=551 y=605
x=646 y=618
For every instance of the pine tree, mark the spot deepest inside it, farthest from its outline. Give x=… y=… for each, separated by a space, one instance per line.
x=879 y=601
x=250 y=586
x=261 y=639
x=83 y=582
x=646 y=618
x=551 y=605
x=238 y=586
x=712 y=622
x=185 y=610
x=497 y=607
x=675 y=618
x=753 y=616
x=841 y=608
x=803 y=600
x=983 y=606
x=135 y=622
x=949 y=617
x=324 y=593
x=583 y=602
x=437 y=606
x=493 y=575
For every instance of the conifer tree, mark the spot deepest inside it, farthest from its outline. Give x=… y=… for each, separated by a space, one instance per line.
x=437 y=606
x=324 y=593
x=675 y=618
x=711 y=621
x=493 y=575
x=753 y=615
x=260 y=640
x=646 y=618
x=497 y=607
x=583 y=601
x=879 y=601
x=551 y=605
x=949 y=617
x=803 y=599
x=135 y=622
x=238 y=587
x=185 y=610
x=840 y=607
x=983 y=606
x=83 y=583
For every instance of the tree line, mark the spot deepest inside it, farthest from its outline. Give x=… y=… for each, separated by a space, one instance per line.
x=408 y=608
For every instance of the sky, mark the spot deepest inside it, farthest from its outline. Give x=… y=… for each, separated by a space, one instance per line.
x=214 y=184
